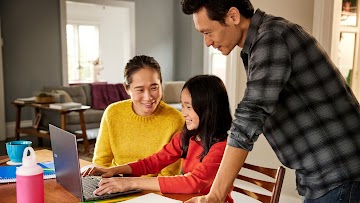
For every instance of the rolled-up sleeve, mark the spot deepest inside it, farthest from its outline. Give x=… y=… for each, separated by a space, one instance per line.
x=268 y=71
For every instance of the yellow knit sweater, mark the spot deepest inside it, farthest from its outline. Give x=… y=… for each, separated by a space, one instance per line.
x=127 y=137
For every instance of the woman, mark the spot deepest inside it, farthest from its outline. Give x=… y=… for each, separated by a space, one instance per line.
x=136 y=128
x=200 y=145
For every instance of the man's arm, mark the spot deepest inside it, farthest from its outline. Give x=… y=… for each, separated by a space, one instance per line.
x=231 y=163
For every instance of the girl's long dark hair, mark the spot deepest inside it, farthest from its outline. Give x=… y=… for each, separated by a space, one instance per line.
x=211 y=103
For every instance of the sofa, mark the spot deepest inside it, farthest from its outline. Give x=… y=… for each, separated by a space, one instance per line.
x=97 y=96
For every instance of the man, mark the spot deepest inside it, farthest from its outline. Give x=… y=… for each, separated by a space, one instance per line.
x=295 y=96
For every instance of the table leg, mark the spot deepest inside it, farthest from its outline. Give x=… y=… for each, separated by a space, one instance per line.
x=83 y=129
x=40 y=139
x=17 y=124
x=63 y=120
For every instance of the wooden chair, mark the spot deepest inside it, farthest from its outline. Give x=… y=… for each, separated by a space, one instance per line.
x=274 y=187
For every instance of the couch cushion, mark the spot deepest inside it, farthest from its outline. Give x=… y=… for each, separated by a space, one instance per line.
x=91 y=133
x=65 y=95
x=172 y=91
x=90 y=115
x=176 y=106
x=76 y=93
x=87 y=90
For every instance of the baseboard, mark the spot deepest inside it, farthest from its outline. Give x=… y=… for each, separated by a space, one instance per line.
x=10 y=127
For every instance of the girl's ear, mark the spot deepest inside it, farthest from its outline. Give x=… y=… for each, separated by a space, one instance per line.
x=126 y=89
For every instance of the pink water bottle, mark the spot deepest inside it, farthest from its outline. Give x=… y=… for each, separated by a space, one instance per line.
x=29 y=179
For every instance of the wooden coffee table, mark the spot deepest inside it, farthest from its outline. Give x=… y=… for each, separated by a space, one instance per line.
x=34 y=131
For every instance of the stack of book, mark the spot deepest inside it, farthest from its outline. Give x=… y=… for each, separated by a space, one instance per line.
x=66 y=105
x=26 y=100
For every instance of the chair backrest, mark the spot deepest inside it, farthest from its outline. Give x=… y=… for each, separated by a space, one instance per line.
x=272 y=186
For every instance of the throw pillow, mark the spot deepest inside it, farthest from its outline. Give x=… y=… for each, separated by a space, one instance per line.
x=65 y=97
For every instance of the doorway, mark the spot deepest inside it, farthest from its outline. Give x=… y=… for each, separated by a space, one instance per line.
x=111 y=24
x=340 y=36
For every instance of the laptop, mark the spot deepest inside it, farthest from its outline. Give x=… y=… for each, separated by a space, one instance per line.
x=67 y=168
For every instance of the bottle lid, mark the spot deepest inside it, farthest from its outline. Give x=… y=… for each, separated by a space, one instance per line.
x=29 y=161
x=29 y=164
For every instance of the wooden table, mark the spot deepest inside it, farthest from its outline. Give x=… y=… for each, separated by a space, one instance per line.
x=55 y=192
x=34 y=131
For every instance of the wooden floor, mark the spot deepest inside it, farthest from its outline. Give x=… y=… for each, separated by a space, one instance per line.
x=46 y=145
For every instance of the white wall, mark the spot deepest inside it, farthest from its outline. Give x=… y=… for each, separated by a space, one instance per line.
x=297 y=11
x=300 y=12
x=115 y=25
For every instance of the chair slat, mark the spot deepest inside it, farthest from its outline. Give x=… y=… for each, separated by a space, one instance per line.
x=271 y=172
x=257 y=196
x=273 y=187
x=261 y=183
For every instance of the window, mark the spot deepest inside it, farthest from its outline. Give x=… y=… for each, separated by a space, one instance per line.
x=216 y=64
x=346 y=54
x=336 y=26
x=229 y=69
x=349 y=30
x=82 y=52
x=348 y=13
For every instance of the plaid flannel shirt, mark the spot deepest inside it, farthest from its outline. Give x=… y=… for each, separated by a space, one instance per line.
x=299 y=100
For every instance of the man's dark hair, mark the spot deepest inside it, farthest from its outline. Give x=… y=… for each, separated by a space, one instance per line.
x=217 y=9
x=211 y=103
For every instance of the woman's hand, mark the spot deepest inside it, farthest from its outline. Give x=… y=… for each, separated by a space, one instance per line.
x=113 y=185
x=103 y=172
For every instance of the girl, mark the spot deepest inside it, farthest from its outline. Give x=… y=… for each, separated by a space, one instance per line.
x=200 y=145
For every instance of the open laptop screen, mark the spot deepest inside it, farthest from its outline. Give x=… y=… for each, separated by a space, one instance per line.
x=66 y=160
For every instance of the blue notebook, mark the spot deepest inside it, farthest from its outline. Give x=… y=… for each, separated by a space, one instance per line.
x=8 y=173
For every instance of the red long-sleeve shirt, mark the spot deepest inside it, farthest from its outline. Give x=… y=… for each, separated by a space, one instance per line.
x=198 y=176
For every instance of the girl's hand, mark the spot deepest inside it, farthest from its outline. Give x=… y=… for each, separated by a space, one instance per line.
x=113 y=185
x=97 y=171
x=203 y=199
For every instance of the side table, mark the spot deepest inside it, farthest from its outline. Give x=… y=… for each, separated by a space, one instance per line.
x=34 y=131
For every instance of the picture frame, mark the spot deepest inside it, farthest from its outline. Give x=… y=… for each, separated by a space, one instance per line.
x=37 y=120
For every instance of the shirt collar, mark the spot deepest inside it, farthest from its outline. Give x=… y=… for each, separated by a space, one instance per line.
x=255 y=23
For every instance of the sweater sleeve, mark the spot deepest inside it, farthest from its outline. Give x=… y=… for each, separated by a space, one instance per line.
x=103 y=155
x=200 y=179
x=170 y=153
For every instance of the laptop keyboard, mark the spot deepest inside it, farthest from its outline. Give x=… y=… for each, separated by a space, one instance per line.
x=89 y=184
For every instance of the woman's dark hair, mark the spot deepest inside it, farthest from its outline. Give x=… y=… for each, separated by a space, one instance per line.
x=137 y=63
x=217 y=9
x=211 y=103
